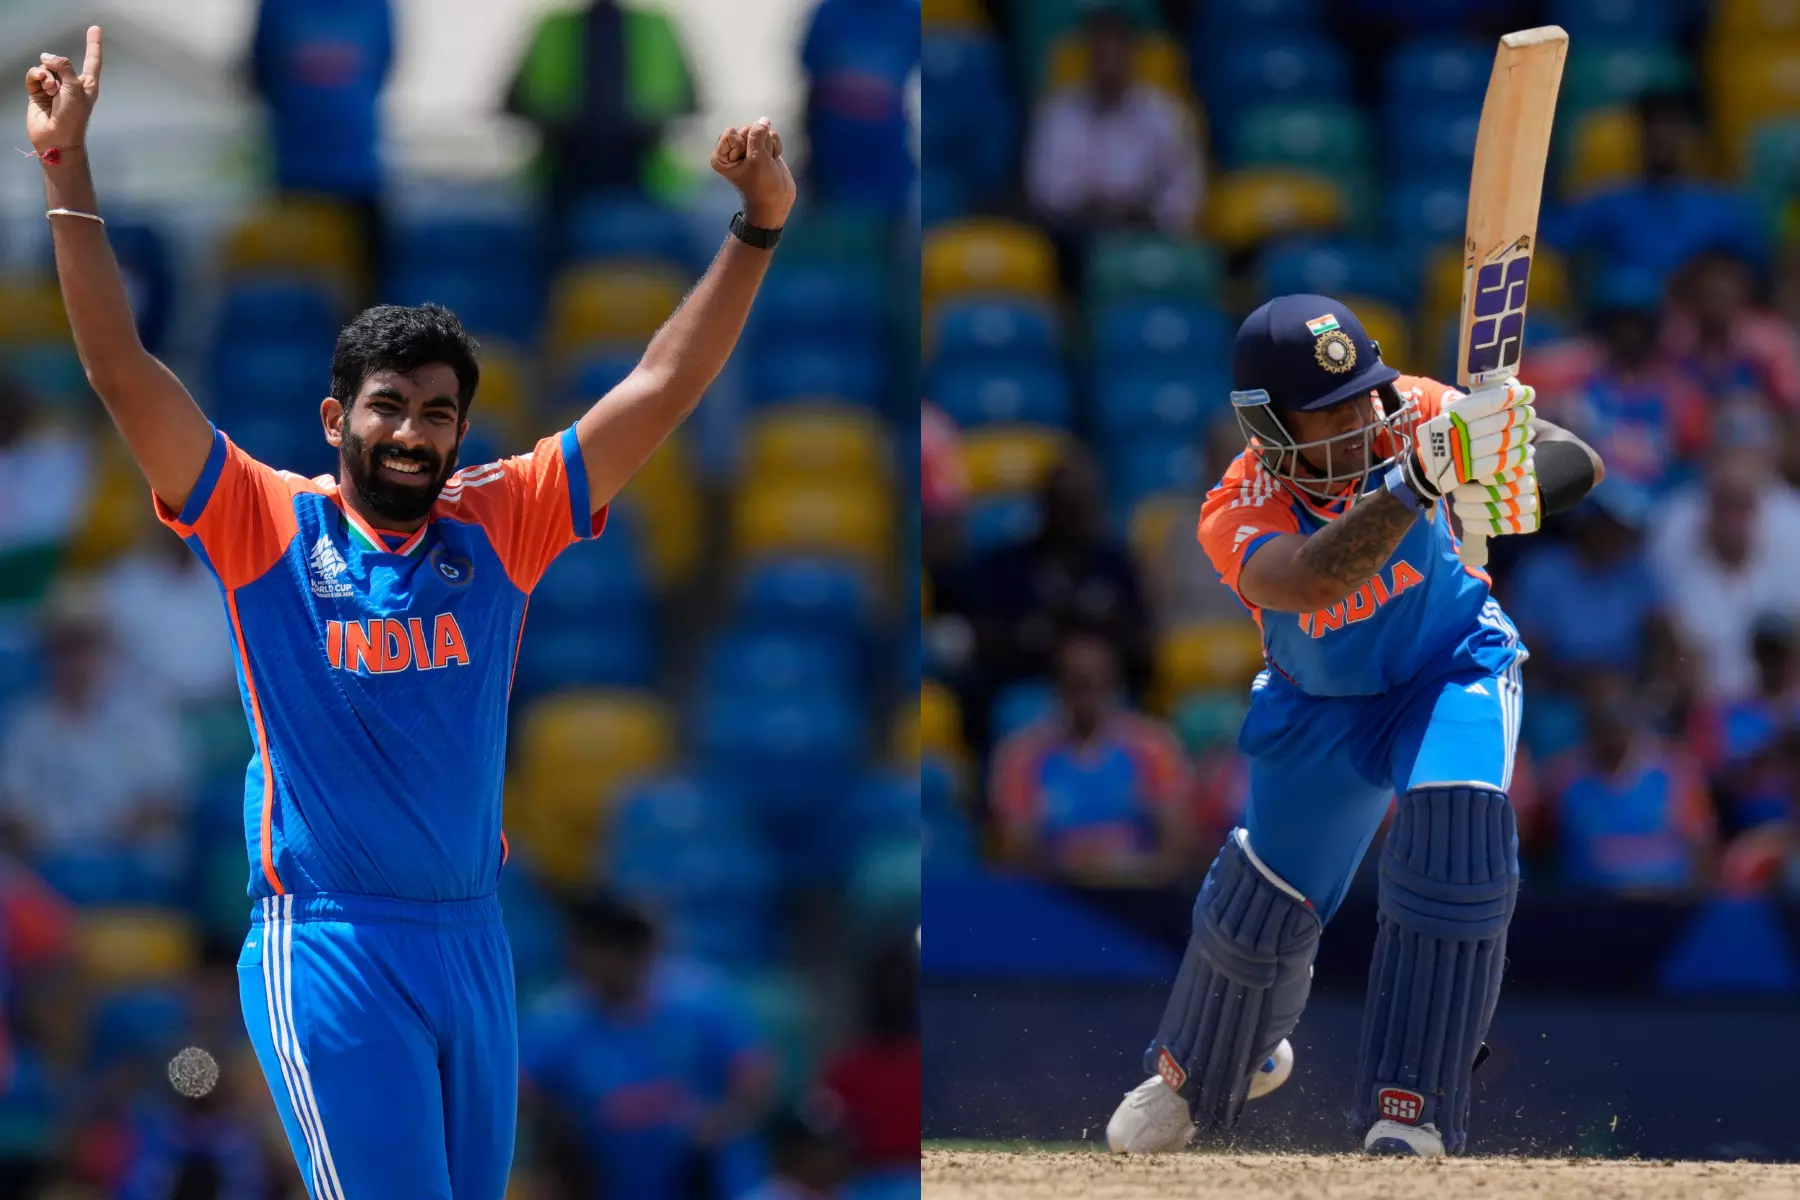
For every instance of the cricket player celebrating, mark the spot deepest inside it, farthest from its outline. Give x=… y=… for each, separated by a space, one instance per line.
x=375 y=618
x=1390 y=672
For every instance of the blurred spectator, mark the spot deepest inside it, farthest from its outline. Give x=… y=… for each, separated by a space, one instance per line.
x=1670 y=213
x=1092 y=790
x=163 y=609
x=1186 y=588
x=197 y=1148
x=1724 y=342
x=36 y=938
x=1629 y=398
x=1631 y=812
x=653 y=1094
x=1072 y=574
x=809 y=1157
x=46 y=475
x=601 y=84
x=876 y=1077
x=320 y=66
x=1558 y=586
x=943 y=485
x=858 y=56
x=1722 y=552
x=93 y=780
x=1113 y=152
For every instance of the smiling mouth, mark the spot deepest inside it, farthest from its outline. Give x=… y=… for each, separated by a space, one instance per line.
x=405 y=469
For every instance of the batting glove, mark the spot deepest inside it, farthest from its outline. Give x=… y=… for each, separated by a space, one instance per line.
x=1477 y=436
x=1507 y=503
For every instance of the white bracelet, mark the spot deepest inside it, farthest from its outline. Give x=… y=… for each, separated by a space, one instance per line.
x=69 y=212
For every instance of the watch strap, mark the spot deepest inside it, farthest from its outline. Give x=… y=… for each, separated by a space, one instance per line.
x=754 y=235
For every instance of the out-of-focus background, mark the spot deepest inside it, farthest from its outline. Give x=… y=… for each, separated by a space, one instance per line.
x=714 y=702
x=1144 y=174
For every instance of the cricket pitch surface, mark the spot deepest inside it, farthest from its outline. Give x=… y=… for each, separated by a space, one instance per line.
x=1050 y=1174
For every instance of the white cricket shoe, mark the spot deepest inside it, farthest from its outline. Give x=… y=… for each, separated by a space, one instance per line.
x=1153 y=1119
x=1393 y=1137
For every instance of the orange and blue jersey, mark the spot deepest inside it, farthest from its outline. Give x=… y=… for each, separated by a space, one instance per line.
x=375 y=668
x=1420 y=606
x=1642 y=827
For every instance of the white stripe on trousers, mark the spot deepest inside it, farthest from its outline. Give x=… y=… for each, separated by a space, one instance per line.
x=278 y=986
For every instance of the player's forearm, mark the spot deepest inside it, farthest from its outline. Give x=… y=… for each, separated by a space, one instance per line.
x=690 y=350
x=1341 y=557
x=93 y=289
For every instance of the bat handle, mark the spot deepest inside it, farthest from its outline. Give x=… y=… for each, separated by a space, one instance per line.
x=1472 y=550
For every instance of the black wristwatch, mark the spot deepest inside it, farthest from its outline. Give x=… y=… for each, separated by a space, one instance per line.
x=753 y=235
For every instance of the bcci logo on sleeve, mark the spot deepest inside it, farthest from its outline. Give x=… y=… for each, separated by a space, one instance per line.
x=325 y=565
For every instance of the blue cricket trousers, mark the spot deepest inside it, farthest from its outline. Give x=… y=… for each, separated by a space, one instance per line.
x=388 y=1034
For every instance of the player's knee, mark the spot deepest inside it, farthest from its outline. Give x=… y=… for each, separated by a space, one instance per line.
x=1249 y=920
x=1450 y=867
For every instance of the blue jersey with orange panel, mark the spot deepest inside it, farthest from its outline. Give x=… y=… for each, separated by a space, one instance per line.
x=375 y=669
x=1421 y=604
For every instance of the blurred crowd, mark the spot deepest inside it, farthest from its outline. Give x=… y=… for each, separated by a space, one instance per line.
x=1087 y=671
x=713 y=887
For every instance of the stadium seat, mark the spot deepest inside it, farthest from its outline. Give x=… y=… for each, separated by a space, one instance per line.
x=747 y=662
x=1605 y=148
x=979 y=391
x=819 y=233
x=1165 y=401
x=964 y=72
x=806 y=369
x=1753 y=19
x=1128 y=264
x=1431 y=140
x=797 y=441
x=1599 y=20
x=291 y=442
x=983 y=255
x=940 y=724
x=1013 y=458
x=1037 y=24
x=777 y=519
x=1001 y=521
x=1021 y=704
x=1331 y=139
x=788 y=754
x=627 y=228
x=1290 y=65
x=1774 y=171
x=1147 y=465
x=943 y=15
x=312 y=239
x=1257 y=203
x=276 y=379
x=1207 y=655
x=821 y=595
x=1225 y=18
x=502 y=306
x=58 y=379
x=1132 y=332
x=1334 y=266
x=1386 y=325
x=1160 y=64
x=31 y=312
x=604 y=579
x=992 y=326
x=608 y=304
x=278 y=308
x=1762 y=83
x=665 y=502
x=1548 y=293
x=559 y=655
x=1437 y=72
x=947 y=844
x=503 y=397
x=1602 y=74
x=484 y=244
x=1427 y=211
x=123 y=947
x=818 y=301
x=1152 y=522
x=595 y=371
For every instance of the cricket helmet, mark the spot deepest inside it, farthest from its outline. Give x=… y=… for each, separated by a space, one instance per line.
x=1304 y=353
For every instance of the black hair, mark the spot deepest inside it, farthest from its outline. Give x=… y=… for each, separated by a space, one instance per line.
x=391 y=337
x=606 y=918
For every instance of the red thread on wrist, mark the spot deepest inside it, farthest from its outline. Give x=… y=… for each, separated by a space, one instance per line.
x=51 y=157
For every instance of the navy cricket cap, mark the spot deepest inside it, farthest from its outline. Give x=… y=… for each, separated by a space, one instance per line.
x=1307 y=352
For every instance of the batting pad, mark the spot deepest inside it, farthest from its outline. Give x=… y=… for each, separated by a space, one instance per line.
x=1243 y=982
x=1449 y=879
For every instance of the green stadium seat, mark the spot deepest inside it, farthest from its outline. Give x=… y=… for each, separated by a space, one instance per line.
x=1122 y=265
x=1607 y=73
x=1774 y=172
x=1038 y=23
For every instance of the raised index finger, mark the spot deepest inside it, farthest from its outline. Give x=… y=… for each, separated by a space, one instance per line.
x=90 y=66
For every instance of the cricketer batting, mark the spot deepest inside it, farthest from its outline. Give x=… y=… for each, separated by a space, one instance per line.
x=1391 y=672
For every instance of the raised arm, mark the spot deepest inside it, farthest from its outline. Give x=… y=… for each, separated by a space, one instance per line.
x=1294 y=572
x=625 y=426
x=162 y=426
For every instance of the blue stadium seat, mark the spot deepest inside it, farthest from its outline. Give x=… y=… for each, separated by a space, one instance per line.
x=822 y=595
x=774 y=664
x=500 y=304
x=1130 y=331
x=1164 y=401
x=1238 y=73
x=1021 y=704
x=142 y=1021
x=966 y=74
x=1227 y=18
x=1336 y=267
x=292 y=442
x=1002 y=521
x=790 y=754
x=976 y=390
x=942 y=197
x=798 y=369
x=1427 y=211
x=819 y=302
x=1437 y=71
x=1431 y=139
x=278 y=310
x=146 y=261
x=485 y=245
x=1614 y=19
x=1145 y=466
x=993 y=326
x=556 y=655
x=882 y=807
x=625 y=226
x=534 y=927
x=596 y=374
x=601 y=580
x=949 y=843
x=271 y=378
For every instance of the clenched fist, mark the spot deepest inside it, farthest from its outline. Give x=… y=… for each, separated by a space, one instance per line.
x=60 y=101
x=750 y=158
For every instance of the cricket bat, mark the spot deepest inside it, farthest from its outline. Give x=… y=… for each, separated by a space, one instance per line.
x=1512 y=148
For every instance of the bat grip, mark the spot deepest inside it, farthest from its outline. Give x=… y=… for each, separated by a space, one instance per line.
x=1472 y=550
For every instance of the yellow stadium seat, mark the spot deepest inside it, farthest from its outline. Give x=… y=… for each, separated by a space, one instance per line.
x=794 y=442
x=1253 y=204
x=503 y=398
x=1387 y=325
x=945 y=15
x=31 y=312
x=1010 y=458
x=666 y=501
x=982 y=254
x=118 y=512
x=1160 y=63
x=1608 y=147
x=600 y=304
x=1153 y=521
x=312 y=238
x=577 y=748
x=1763 y=81
x=120 y=947
x=1207 y=655
x=854 y=521
x=938 y=723
x=1733 y=19
x=1547 y=292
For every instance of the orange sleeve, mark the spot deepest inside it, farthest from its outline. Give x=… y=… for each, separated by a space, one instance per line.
x=1013 y=790
x=1247 y=509
x=1166 y=768
x=533 y=506
x=240 y=514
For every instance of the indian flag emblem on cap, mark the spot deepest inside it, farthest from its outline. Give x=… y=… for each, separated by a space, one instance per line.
x=1324 y=324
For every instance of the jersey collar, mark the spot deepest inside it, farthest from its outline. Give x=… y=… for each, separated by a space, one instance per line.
x=371 y=541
